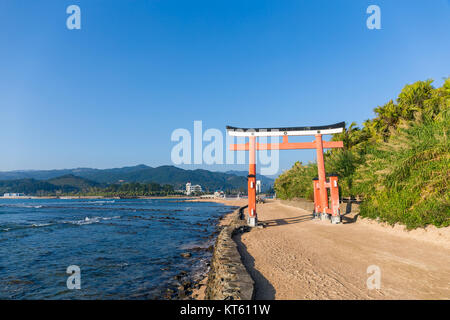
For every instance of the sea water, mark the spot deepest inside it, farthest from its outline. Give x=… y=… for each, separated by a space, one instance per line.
x=124 y=248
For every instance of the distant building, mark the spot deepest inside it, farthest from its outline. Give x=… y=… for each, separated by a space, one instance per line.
x=258 y=186
x=193 y=188
x=207 y=196
x=219 y=194
x=11 y=195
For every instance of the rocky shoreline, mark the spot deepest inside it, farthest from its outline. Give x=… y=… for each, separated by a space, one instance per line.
x=185 y=283
x=226 y=278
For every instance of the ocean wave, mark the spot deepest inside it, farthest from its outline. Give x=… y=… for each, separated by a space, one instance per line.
x=91 y=220
x=85 y=221
x=21 y=205
x=41 y=224
x=101 y=202
x=25 y=226
x=92 y=206
x=109 y=218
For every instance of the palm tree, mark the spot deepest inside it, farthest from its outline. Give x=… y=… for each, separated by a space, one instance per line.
x=350 y=136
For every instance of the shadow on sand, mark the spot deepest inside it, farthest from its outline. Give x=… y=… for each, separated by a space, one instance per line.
x=263 y=290
x=285 y=221
x=346 y=217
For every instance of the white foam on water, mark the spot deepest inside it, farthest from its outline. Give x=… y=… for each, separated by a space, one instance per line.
x=41 y=224
x=21 y=205
x=101 y=202
x=91 y=220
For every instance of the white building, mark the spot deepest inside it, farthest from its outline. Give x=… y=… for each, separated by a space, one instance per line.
x=193 y=188
x=219 y=194
x=13 y=195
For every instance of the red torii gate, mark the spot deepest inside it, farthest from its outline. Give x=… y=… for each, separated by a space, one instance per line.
x=321 y=205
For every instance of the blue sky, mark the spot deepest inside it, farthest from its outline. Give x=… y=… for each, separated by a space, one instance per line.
x=110 y=94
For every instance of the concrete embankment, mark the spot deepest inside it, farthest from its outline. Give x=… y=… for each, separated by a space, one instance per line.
x=228 y=278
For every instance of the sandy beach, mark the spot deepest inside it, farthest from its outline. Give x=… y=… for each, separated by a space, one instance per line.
x=295 y=257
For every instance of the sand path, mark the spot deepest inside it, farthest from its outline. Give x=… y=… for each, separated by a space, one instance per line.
x=295 y=257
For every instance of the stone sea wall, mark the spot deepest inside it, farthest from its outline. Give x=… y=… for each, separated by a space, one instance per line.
x=228 y=278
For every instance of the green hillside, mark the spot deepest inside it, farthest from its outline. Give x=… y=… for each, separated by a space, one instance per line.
x=266 y=183
x=177 y=177
x=398 y=162
x=33 y=187
x=66 y=184
x=73 y=181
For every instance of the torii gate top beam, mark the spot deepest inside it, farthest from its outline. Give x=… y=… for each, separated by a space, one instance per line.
x=289 y=131
x=284 y=132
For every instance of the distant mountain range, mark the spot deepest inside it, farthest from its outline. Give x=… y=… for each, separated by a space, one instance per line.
x=81 y=178
x=64 y=184
x=266 y=182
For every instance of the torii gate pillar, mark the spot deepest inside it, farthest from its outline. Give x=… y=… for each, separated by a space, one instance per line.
x=252 y=220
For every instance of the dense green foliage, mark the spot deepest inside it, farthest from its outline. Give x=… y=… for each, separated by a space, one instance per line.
x=133 y=189
x=297 y=182
x=77 y=183
x=407 y=178
x=398 y=162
